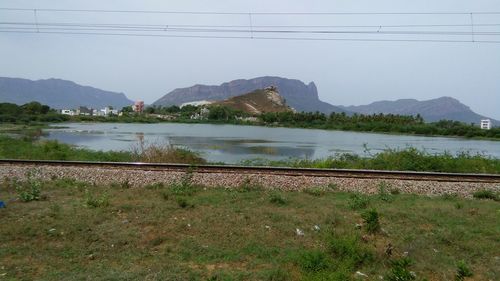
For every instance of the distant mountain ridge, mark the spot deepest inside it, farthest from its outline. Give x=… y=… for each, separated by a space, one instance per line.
x=59 y=94
x=431 y=110
x=298 y=95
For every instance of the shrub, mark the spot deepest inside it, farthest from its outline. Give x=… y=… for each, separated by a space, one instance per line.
x=486 y=194
x=29 y=190
x=400 y=270
x=358 y=201
x=371 y=218
x=185 y=186
x=96 y=201
x=164 y=153
x=313 y=261
x=278 y=275
x=277 y=199
x=383 y=194
x=463 y=271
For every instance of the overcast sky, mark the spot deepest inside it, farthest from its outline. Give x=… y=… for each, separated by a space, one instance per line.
x=346 y=73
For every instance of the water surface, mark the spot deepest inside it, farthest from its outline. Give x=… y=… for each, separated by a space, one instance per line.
x=232 y=143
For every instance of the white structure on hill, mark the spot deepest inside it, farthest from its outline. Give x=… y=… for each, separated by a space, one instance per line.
x=486 y=124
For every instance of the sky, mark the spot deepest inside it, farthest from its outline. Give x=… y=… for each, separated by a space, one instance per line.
x=345 y=72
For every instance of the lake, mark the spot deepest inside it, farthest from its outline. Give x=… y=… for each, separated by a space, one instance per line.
x=232 y=143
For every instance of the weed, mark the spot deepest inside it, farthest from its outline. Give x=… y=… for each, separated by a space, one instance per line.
x=92 y=201
x=313 y=261
x=449 y=196
x=55 y=210
x=333 y=186
x=29 y=190
x=400 y=270
x=185 y=186
x=278 y=275
x=463 y=271
x=383 y=194
x=184 y=203
x=315 y=191
x=349 y=251
x=358 y=201
x=371 y=218
x=486 y=194
x=277 y=199
x=459 y=205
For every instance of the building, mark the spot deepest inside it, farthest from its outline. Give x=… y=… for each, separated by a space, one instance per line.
x=108 y=111
x=83 y=110
x=486 y=124
x=69 y=112
x=138 y=106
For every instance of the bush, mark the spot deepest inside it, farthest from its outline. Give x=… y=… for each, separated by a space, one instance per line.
x=348 y=251
x=462 y=271
x=371 y=218
x=313 y=261
x=165 y=153
x=96 y=201
x=358 y=201
x=486 y=194
x=29 y=190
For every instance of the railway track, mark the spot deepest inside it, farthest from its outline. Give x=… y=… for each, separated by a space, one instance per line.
x=285 y=171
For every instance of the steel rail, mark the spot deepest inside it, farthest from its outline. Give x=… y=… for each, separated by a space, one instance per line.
x=286 y=171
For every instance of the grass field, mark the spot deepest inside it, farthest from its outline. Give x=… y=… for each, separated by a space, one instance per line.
x=73 y=231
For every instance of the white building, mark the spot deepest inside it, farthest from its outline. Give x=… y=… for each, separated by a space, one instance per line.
x=486 y=124
x=67 y=112
x=108 y=111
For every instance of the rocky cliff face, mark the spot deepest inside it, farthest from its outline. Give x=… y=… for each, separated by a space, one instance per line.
x=431 y=110
x=257 y=102
x=58 y=93
x=298 y=95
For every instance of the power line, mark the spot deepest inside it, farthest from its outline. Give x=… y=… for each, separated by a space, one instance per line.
x=257 y=37
x=246 y=13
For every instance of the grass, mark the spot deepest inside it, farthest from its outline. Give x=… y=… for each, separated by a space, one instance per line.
x=185 y=232
x=28 y=147
x=409 y=159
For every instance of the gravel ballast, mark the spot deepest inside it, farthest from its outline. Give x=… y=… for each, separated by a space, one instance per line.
x=140 y=178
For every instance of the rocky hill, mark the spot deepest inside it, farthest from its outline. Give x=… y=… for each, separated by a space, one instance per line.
x=298 y=95
x=431 y=110
x=258 y=101
x=58 y=93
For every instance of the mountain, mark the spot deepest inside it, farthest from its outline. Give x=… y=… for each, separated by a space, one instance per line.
x=59 y=94
x=298 y=95
x=431 y=110
x=257 y=102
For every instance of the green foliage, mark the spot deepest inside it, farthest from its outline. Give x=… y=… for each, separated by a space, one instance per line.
x=463 y=271
x=315 y=191
x=313 y=261
x=29 y=190
x=278 y=275
x=400 y=270
x=408 y=159
x=93 y=201
x=184 y=203
x=277 y=199
x=383 y=194
x=348 y=251
x=486 y=194
x=371 y=219
x=32 y=112
x=358 y=201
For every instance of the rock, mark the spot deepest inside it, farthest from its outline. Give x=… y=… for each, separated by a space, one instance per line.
x=360 y=274
x=299 y=232
x=405 y=254
x=267 y=227
x=316 y=227
x=125 y=221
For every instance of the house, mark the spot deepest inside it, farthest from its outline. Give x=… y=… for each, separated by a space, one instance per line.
x=486 y=124
x=108 y=111
x=69 y=112
x=83 y=110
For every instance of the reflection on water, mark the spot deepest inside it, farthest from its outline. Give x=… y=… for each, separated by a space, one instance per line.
x=231 y=144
